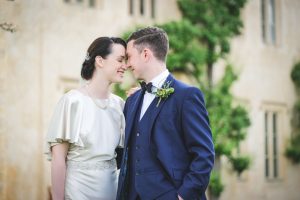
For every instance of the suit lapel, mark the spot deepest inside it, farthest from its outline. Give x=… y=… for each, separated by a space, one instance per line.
x=158 y=108
x=131 y=115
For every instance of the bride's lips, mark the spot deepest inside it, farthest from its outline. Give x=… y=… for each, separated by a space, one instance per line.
x=121 y=72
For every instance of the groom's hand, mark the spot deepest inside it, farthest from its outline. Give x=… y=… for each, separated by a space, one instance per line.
x=179 y=197
x=131 y=91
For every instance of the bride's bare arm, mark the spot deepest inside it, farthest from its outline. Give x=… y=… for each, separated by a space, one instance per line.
x=58 y=170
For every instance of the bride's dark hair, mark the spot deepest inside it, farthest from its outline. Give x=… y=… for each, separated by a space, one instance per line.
x=100 y=47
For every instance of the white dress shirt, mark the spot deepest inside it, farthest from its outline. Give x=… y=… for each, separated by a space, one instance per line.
x=157 y=82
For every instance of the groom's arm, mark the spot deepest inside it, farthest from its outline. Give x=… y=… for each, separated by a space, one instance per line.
x=198 y=140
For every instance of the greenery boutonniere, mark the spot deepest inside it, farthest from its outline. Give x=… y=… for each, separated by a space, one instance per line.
x=163 y=92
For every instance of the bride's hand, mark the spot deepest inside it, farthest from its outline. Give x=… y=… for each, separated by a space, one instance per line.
x=131 y=91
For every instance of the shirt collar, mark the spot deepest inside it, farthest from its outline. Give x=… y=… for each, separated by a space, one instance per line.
x=159 y=80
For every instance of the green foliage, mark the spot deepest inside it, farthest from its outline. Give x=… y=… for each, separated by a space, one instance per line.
x=228 y=123
x=186 y=53
x=297 y=106
x=216 y=186
x=293 y=150
x=126 y=34
x=296 y=116
x=218 y=21
x=118 y=90
x=295 y=75
x=219 y=104
x=240 y=163
x=239 y=121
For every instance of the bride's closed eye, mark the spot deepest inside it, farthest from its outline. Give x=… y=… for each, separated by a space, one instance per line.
x=121 y=59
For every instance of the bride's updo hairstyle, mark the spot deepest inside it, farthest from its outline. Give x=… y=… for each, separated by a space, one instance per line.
x=102 y=46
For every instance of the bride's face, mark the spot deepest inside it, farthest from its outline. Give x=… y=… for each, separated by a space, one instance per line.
x=114 y=64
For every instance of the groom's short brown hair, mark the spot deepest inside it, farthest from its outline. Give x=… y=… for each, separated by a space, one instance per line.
x=154 y=38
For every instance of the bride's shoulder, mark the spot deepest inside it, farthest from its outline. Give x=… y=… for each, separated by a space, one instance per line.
x=117 y=99
x=74 y=95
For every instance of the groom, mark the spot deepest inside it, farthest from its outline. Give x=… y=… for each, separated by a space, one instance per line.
x=168 y=150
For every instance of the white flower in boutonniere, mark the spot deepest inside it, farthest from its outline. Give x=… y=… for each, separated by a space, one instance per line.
x=163 y=92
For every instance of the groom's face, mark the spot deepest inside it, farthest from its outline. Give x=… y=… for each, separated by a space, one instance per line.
x=135 y=60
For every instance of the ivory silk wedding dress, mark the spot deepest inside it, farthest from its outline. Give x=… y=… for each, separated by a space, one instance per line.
x=94 y=128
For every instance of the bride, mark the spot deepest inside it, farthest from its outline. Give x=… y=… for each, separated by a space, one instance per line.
x=87 y=126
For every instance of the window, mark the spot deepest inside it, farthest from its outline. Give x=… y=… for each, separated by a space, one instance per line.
x=131 y=6
x=268 y=21
x=271 y=145
x=74 y=1
x=89 y=3
x=142 y=8
x=92 y=3
x=142 y=4
x=153 y=8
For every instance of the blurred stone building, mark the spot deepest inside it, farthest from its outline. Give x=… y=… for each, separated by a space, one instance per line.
x=42 y=60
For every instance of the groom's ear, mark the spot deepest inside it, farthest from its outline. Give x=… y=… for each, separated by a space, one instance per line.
x=147 y=54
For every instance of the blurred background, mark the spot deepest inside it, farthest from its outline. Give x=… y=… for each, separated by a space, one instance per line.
x=244 y=56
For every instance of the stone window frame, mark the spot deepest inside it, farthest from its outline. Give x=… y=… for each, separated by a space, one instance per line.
x=142 y=8
x=269 y=110
x=270 y=11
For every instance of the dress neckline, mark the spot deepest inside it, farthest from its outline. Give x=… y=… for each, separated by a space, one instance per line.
x=103 y=104
x=96 y=99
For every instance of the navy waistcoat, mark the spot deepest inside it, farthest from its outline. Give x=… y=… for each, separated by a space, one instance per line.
x=141 y=158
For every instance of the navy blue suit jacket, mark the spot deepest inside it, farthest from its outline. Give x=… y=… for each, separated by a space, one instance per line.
x=180 y=139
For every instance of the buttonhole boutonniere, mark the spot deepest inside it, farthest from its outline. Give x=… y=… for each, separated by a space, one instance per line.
x=163 y=92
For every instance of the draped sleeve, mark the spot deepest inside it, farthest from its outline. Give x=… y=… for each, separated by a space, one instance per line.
x=66 y=123
x=119 y=106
